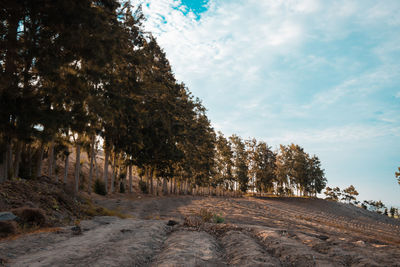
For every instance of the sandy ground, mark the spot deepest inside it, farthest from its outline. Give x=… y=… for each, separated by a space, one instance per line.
x=256 y=232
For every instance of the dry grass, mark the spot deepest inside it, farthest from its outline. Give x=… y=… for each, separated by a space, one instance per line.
x=93 y=210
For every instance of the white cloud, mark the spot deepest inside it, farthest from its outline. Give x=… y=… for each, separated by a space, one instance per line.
x=359 y=86
x=342 y=135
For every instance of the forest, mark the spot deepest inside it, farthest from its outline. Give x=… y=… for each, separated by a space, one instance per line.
x=106 y=159
x=85 y=77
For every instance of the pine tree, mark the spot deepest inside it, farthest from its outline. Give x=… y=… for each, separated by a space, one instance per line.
x=240 y=171
x=349 y=194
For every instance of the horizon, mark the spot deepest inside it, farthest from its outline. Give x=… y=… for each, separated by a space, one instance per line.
x=324 y=77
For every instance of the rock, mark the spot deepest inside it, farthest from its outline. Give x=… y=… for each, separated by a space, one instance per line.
x=323 y=237
x=360 y=243
x=76 y=230
x=172 y=223
x=7 y=216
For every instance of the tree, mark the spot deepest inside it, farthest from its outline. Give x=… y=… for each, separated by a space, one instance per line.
x=264 y=165
x=376 y=206
x=223 y=162
x=282 y=171
x=240 y=171
x=392 y=211
x=349 y=194
x=317 y=180
x=397 y=174
x=332 y=194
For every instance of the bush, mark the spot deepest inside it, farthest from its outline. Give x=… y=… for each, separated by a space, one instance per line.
x=31 y=216
x=7 y=228
x=143 y=187
x=99 y=187
x=205 y=215
x=218 y=218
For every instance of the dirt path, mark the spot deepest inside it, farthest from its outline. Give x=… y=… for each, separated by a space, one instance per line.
x=256 y=232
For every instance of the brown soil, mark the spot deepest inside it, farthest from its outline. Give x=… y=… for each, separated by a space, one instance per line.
x=256 y=232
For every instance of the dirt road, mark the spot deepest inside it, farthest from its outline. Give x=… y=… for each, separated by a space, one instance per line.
x=256 y=232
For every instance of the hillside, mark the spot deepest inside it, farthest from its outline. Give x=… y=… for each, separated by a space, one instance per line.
x=255 y=232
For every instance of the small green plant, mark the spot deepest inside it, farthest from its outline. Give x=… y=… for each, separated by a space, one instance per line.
x=218 y=218
x=99 y=187
x=143 y=187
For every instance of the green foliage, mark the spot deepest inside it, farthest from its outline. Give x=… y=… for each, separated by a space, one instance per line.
x=143 y=187
x=99 y=187
x=217 y=218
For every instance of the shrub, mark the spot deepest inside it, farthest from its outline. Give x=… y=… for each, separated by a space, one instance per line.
x=7 y=228
x=205 y=215
x=143 y=187
x=30 y=215
x=99 y=187
x=218 y=218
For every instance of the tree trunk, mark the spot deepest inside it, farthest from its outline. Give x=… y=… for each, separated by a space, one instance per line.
x=107 y=155
x=113 y=173
x=165 y=186
x=3 y=167
x=66 y=167
x=40 y=160
x=10 y=173
x=171 y=186
x=55 y=167
x=77 y=166
x=17 y=159
x=151 y=182
x=51 y=159
x=96 y=167
x=130 y=178
x=186 y=187
x=156 y=189
x=29 y=163
x=91 y=165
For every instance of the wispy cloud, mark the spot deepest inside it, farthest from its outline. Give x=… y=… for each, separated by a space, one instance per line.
x=307 y=71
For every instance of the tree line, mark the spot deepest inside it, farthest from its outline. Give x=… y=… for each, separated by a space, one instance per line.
x=85 y=75
x=349 y=196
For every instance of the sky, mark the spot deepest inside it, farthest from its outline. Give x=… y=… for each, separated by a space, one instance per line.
x=321 y=74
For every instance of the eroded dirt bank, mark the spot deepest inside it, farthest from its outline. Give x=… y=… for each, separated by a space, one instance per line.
x=256 y=232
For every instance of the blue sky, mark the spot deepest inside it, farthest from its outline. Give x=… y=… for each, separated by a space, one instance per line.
x=324 y=75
